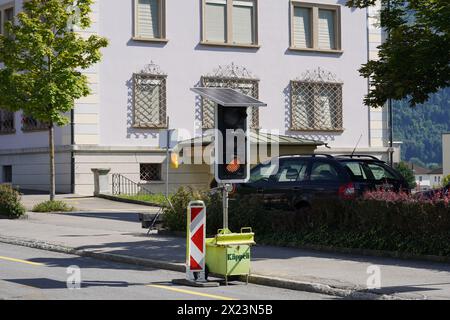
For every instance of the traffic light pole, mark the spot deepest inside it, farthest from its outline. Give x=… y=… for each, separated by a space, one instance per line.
x=225 y=206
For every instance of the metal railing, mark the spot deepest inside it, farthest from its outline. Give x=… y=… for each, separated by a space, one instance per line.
x=121 y=185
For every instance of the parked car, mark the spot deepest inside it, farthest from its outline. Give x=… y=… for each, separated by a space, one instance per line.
x=296 y=180
x=431 y=194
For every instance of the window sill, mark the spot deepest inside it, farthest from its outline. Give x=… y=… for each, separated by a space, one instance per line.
x=143 y=182
x=34 y=130
x=230 y=45
x=156 y=40
x=316 y=50
x=163 y=127
x=318 y=130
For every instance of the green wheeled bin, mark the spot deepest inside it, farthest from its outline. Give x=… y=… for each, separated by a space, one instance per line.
x=228 y=253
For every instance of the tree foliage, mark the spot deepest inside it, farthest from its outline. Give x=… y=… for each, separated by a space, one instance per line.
x=446 y=181
x=414 y=61
x=407 y=173
x=420 y=128
x=43 y=57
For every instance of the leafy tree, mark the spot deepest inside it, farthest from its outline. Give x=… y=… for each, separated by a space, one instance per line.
x=42 y=56
x=407 y=173
x=446 y=181
x=415 y=60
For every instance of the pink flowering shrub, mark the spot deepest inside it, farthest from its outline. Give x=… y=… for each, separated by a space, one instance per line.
x=438 y=197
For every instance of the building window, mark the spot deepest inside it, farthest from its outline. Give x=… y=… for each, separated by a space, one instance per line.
x=5 y=16
x=149 y=20
x=230 y=22
x=7 y=174
x=6 y=122
x=150 y=171
x=234 y=77
x=316 y=103
x=31 y=124
x=315 y=27
x=149 y=101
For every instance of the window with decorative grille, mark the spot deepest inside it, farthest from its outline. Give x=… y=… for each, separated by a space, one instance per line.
x=150 y=171
x=149 y=101
x=316 y=106
x=6 y=122
x=249 y=87
x=31 y=124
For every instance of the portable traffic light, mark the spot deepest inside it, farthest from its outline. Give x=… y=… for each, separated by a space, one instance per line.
x=232 y=140
x=232 y=144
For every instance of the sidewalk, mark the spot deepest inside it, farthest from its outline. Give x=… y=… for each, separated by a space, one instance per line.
x=86 y=203
x=120 y=233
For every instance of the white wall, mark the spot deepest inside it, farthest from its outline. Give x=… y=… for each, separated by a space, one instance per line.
x=127 y=164
x=31 y=170
x=185 y=61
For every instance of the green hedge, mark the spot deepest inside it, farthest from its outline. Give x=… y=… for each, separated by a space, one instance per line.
x=412 y=227
x=52 y=206
x=10 y=205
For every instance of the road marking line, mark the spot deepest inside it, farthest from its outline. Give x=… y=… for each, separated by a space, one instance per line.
x=191 y=292
x=21 y=261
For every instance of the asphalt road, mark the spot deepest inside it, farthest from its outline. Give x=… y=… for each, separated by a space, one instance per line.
x=27 y=273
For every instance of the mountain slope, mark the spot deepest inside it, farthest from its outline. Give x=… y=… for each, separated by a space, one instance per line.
x=421 y=128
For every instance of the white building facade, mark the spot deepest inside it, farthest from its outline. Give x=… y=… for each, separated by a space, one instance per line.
x=446 y=153
x=301 y=58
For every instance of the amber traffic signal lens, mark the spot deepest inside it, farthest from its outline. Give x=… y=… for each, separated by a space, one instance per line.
x=233 y=166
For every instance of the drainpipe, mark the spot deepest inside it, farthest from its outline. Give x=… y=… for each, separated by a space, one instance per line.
x=391 y=117
x=72 y=159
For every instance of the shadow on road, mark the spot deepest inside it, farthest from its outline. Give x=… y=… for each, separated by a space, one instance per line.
x=117 y=216
x=45 y=283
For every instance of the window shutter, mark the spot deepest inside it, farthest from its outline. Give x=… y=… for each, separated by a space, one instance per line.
x=215 y=20
x=148 y=19
x=327 y=33
x=243 y=29
x=302 y=27
x=324 y=109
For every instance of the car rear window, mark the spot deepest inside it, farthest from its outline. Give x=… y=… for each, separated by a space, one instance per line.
x=380 y=172
x=369 y=170
x=356 y=170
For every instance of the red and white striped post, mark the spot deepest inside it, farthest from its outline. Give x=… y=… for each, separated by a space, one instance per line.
x=195 y=241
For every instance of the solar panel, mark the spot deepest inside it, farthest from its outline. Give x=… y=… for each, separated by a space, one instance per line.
x=228 y=97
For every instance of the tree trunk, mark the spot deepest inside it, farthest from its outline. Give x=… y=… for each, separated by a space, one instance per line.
x=51 y=144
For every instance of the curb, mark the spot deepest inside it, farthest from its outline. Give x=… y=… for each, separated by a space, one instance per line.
x=118 y=199
x=352 y=293
x=349 y=293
